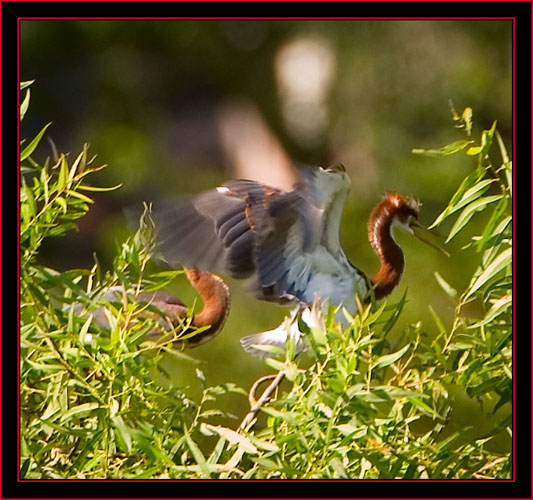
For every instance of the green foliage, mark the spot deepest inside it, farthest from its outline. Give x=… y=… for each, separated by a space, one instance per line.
x=483 y=345
x=95 y=402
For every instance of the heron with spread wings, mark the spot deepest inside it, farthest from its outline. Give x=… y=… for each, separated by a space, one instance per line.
x=285 y=244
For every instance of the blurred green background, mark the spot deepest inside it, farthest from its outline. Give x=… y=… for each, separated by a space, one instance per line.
x=175 y=107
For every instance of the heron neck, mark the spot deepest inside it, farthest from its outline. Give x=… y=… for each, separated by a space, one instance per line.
x=216 y=299
x=389 y=252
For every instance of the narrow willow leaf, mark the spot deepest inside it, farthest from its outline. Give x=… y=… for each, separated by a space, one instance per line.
x=26 y=84
x=503 y=150
x=424 y=407
x=473 y=193
x=289 y=417
x=196 y=453
x=85 y=187
x=398 y=308
x=470 y=182
x=30 y=148
x=24 y=105
x=438 y=321
x=85 y=407
x=264 y=445
x=124 y=432
x=486 y=138
x=44 y=183
x=448 y=289
x=338 y=467
x=268 y=464
x=474 y=150
x=509 y=176
x=466 y=117
x=447 y=150
x=499 y=307
x=62 y=203
x=503 y=260
x=233 y=437
x=388 y=359
x=28 y=198
x=495 y=228
x=80 y=196
x=469 y=212
x=277 y=365
x=63 y=173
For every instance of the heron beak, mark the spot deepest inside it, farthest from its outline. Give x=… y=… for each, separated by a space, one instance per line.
x=427 y=236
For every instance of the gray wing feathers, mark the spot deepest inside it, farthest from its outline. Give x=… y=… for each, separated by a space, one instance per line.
x=243 y=228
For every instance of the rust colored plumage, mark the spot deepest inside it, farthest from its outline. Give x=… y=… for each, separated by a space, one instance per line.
x=216 y=301
x=393 y=208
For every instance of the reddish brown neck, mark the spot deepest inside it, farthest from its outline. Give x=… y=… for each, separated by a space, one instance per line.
x=216 y=298
x=389 y=252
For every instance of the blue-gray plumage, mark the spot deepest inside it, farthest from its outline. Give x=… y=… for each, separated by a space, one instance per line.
x=284 y=243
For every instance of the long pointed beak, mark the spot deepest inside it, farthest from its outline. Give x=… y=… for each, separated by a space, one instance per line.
x=427 y=236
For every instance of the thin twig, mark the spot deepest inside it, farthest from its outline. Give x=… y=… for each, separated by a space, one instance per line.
x=255 y=407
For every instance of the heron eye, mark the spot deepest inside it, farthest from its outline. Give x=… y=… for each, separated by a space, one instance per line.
x=336 y=168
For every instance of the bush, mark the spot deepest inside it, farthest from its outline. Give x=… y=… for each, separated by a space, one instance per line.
x=95 y=403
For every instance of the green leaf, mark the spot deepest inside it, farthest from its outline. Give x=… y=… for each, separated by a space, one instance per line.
x=503 y=150
x=338 y=467
x=234 y=437
x=474 y=151
x=264 y=445
x=388 y=359
x=448 y=289
x=469 y=212
x=24 y=105
x=62 y=203
x=197 y=453
x=27 y=198
x=466 y=117
x=438 y=321
x=499 y=307
x=447 y=150
x=486 y=138
x=289 y=417
x=30 y=148
x=80 y=196
x=44 y=183
x=500 y=262
x=23 y=85
x=274 y=363
x=83 y=408
x=469 y=190
x=85 y=187
x=63 y=173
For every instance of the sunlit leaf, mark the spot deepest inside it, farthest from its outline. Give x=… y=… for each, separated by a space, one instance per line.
x=448 y=289
x=26 y=84
x=30 y=148
x=234 y=438
x=499 y=263
x=499 y=307
x=24 y=105
x=470 y=189
x=197 y=453
x=469 y=212
x=388 y=359
x=447 y=150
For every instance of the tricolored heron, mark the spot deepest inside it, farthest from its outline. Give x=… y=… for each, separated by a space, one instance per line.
x=286 y=243
x=169 y=311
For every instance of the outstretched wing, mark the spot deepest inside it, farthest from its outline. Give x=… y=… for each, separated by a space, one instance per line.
x=248 y=230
